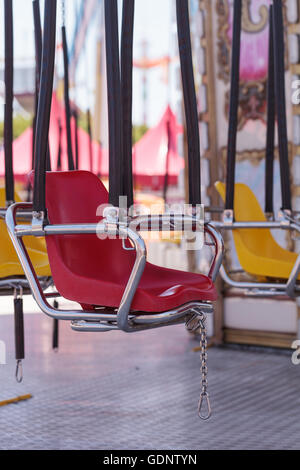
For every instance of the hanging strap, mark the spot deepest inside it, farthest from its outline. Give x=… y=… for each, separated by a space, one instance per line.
x=190 y=101
x=75 y=116
x=8 y=113
x=234 y=104
x=271 y=111
x=114 y=101
x=55 y=330
x=19 y=334
x=38 y=54
x=281 y=104
x=55 y=335
x=126 y=89
x=59 y=151
x=89 y=129
x=37 y=35
x=166 y=178
x=44 y=109
x=38 y=59
x=67 y=99
x=99 y=159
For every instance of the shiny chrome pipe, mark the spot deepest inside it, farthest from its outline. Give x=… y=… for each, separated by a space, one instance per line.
x=290 y=288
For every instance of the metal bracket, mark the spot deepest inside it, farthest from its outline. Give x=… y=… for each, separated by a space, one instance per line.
x=284 y=217
x=111 y=214
x=8 y=204
x=127 y=248
x=228 y=217
x=37 y=225
x=270 y=216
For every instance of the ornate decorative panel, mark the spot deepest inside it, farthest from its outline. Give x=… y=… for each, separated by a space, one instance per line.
x=254 y=55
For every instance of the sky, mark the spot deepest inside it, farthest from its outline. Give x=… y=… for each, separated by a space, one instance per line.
x=152 y=23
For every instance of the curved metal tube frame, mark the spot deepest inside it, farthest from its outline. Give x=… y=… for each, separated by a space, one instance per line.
x=11 y=283
x=290 y=288
x=104 y=320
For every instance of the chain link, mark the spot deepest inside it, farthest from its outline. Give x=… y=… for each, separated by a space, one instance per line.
x=204 y=396
x=197 y=322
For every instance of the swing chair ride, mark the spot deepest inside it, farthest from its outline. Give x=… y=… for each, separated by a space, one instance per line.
x=275 y=269
x=116 y=289
x=12 y=278
x=11 y=272
x=76 y=234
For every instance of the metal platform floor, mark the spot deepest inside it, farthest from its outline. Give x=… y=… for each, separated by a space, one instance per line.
x=117 y=391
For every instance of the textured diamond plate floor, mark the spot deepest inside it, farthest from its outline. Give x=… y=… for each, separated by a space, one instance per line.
x=117 y=391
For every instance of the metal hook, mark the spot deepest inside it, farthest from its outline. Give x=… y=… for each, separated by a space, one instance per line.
x=126 y=248
x=193 y=323
x=204 y=398
x=19 y=371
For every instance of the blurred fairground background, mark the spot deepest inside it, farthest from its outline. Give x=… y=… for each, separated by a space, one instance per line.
x=159 y=153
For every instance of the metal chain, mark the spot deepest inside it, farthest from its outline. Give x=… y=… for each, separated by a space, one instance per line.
x=197 y=322
x=204 y=396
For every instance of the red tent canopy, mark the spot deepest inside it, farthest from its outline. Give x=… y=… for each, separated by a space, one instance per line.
x=156 y=153
x=22 y=148
x=150 y=155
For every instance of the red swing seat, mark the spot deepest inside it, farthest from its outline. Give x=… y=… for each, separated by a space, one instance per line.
x=95 y=272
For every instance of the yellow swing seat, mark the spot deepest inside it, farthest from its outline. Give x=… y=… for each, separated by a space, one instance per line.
x=258 y=252
x=9 y=262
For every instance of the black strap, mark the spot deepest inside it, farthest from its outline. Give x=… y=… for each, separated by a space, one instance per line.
x=55 y=334
x=271 y=111
x=55 y=330
x=281 y=104
x=99 y=158
x=37 y=36
x=44 y=108
x=75 y=116
x=67 y=99
x=8 y=112
x=234 y=103
x=166 y=178
x=19 y=329
x=58 y=165
x=190 y=101
x=126 y=88
x=89 y=128
x=38 y=57
x=114 y=101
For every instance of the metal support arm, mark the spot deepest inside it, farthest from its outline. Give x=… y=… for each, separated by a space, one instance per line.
x=258 y=288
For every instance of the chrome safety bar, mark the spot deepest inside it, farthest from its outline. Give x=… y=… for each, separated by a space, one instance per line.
x=142 y=321
x=25 y=215
x=13 y=282
x=289 y=288
x=105 y=320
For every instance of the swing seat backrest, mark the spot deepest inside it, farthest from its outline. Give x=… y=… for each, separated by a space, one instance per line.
x=78 y=198
x=9 y=262
x=94 y=272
